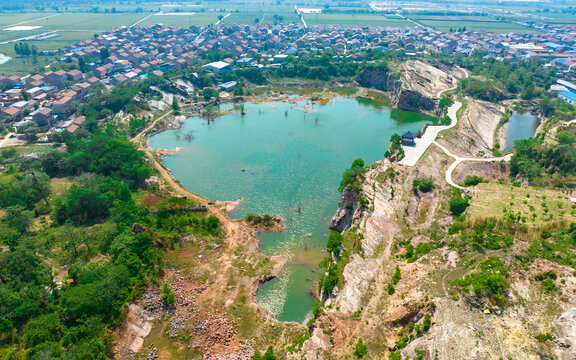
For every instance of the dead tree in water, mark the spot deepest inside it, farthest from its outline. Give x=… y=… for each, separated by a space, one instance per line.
x=186 y=137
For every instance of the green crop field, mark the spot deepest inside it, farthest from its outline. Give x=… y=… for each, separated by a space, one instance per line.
x=354 y=19
x=198 y=19
x=10 y=19
x=70 y=28
x=264 y=16
x=94 y=22
x=495 y=26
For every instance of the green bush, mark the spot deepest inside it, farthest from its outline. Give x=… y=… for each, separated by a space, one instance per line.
x=473 y=180
x=334 y=242
x=167 y=294
x=360 y=350
x=458 y=204
x=397 y=276
x=423 y=185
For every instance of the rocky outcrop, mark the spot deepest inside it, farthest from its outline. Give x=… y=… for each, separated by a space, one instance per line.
x=377 y=77
x=377 y=228
x=342 y=221
x=409 y=100
x=316 y=347
x=565 y=334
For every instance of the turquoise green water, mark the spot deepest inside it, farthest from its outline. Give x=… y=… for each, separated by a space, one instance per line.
x=284 y=161
x=521 y=126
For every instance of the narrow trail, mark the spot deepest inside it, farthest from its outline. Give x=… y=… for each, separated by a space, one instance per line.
x=441 y=92
x=29 y=21
x=459 y=160
x=138 y=137
x=28 y=37
x=551 y=134
x=144 y=18
x=408 y=19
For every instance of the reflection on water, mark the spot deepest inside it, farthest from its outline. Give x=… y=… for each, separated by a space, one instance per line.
x=287 y=160
x=520 y=126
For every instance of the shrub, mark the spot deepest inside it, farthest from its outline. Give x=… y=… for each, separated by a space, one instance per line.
x=334 y=242
x=473 y=180
x=544 y=337
x=167 y=294
x=397 y=276
x=423 y=185
x=490 y=282
x=360 y=350
x=458 y=204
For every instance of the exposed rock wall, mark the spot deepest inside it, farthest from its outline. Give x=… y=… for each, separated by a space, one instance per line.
x=377 y=229
x=418 y=86
x=565 y=334
x=347 y=206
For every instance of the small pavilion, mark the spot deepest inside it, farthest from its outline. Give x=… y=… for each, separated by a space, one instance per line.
x=408 y=139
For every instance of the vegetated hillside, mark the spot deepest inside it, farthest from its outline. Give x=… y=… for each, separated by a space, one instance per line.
x=79 y=241
x=426 y=270
x=420 y=269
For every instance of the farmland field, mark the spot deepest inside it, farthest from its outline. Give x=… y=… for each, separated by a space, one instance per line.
x=354 y=19
x=482 y=23
x=265 y=16
x=537 y=206
x=70 y=28
x=89 y=22
x=198 y=19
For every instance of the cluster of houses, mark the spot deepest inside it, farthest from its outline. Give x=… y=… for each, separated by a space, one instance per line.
x=133 y=53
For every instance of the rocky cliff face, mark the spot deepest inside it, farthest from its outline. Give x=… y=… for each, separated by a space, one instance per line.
x=377 y=229
x=379 y=77
x=410 y=100
x=565 y=333
x=347 y=207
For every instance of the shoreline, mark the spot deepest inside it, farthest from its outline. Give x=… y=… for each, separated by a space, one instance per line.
x=281 y=261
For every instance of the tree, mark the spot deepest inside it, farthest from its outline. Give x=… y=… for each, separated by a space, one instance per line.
x=39 y=183
x=82 y=66
x=44 y=328
x=350 y=175
x=104 y=53
x=360 y=350
x=175 y=104
x=86 y=205
x=566 y=137
x=24 y=95
x=18 y=218
x=167 y=294
x=458 y=204
x=334 y=242
x=268 y=355
x=29 y=130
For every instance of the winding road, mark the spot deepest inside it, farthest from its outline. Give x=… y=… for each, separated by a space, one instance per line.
x=459 y=160
x=413 y=153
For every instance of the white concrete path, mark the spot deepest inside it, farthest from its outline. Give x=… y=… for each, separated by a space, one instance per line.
x=459 y=160
x=413 y=153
